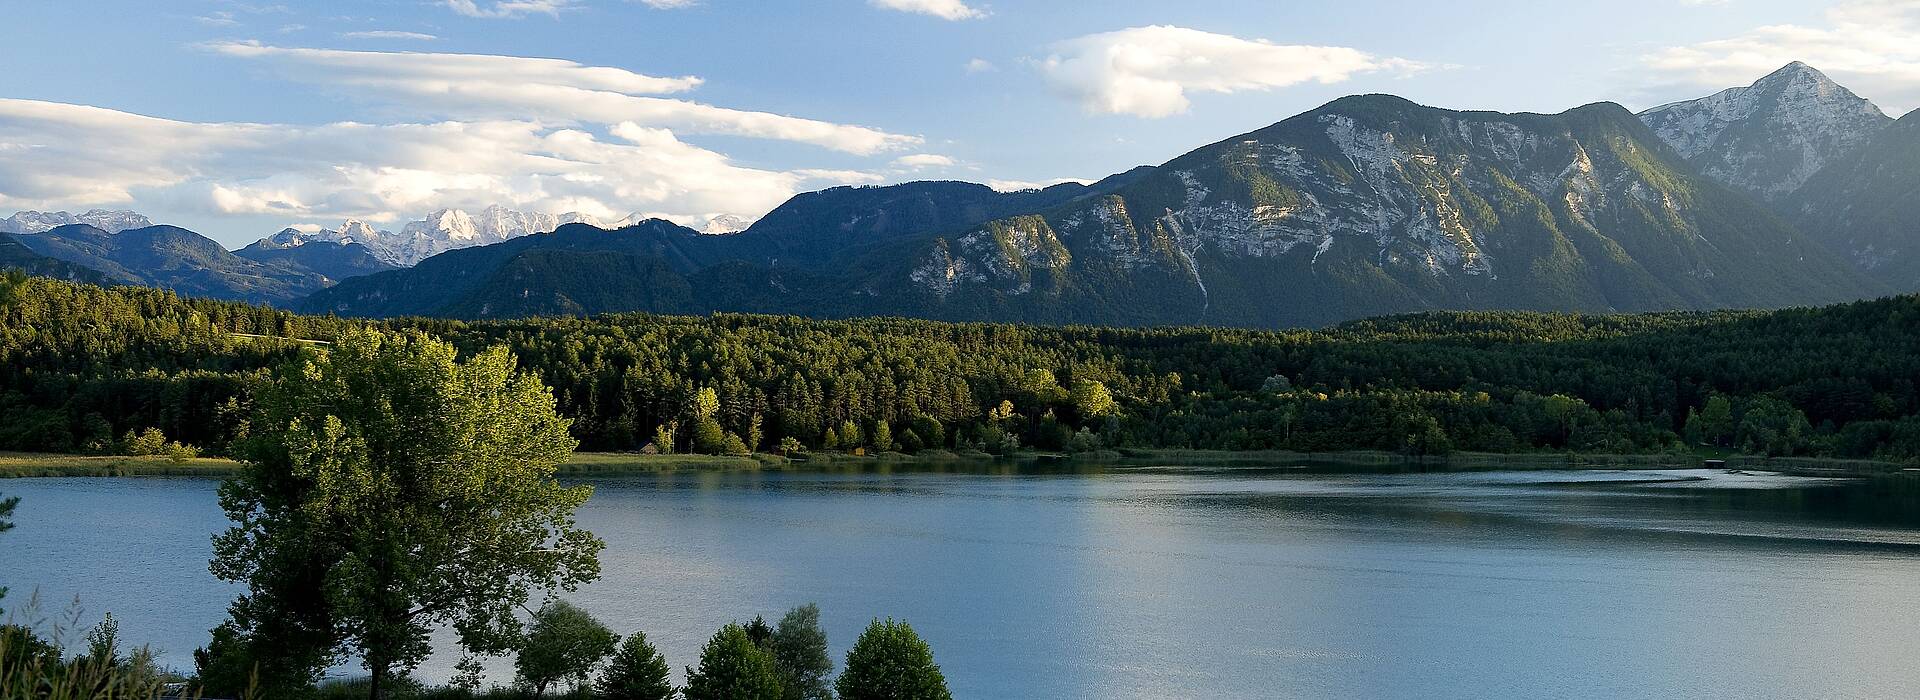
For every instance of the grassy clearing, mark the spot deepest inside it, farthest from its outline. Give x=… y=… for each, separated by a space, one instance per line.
x=24 y=464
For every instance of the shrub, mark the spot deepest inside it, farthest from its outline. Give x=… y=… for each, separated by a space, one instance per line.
x=145 y=443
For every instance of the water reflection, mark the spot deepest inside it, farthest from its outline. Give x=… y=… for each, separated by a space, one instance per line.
x=1101 y=581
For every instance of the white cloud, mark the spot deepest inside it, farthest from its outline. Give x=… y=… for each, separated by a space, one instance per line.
x=1872 y=46
x=220 y=18
x=840 y=177
x=1022 y=185
x=980 y=65
x=388 y=34
x=1148 y=71
x=474 y=86
x=65 y=156
x=669 y=4
x=509 y=9
x=918 y=161
x=950 y=10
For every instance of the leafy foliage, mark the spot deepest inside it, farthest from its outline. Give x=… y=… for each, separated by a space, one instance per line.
x=732 y=667
x=637 y=671
x=389 y=488
x=799 y=649
x=890 y=662
x=564 y=644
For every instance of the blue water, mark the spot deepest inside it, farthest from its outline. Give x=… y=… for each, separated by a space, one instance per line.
x=1170 y=582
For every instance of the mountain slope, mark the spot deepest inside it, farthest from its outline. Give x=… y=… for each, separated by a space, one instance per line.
x=1867 y=206
x=334 y=260
x=523 y=274
x=1371 y=205
x=815 y=231
x=173 y=258
x=1769 y=138
x=15 y=255
x=814 y=227
x=1368 y=205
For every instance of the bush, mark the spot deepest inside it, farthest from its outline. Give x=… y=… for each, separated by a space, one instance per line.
x=144 y=444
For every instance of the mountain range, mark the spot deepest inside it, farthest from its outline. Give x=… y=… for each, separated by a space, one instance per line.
x=1790 y=191
x=172 y=258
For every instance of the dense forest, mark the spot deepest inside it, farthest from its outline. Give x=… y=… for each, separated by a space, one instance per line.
x=86 y=368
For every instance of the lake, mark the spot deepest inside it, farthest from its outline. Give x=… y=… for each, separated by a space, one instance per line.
x=1174 y=582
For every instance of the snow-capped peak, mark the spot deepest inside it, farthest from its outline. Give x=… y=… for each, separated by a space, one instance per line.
x=111 y=221
x=726 y=223
x=438 y=232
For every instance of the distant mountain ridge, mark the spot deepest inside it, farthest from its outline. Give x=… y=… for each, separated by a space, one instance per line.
x=103 y=219
x=173 y=258
x=1790 y=191
x=438 y=232
x=333 y=259
x=15 y=255
x=1368 y=205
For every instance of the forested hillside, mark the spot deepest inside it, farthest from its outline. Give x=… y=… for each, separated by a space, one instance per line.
x=84 y=365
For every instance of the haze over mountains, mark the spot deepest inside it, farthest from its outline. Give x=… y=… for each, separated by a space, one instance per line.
x=1790 y=191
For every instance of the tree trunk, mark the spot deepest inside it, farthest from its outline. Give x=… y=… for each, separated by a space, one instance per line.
x=376 y=684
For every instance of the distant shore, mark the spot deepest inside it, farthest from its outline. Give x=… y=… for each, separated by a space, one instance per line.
x=33 y=464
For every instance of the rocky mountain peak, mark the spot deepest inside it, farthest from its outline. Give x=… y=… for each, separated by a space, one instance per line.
x=110 y=221
x=1768 y=138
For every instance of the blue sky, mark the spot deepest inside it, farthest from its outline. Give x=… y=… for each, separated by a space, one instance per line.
x=270 y=114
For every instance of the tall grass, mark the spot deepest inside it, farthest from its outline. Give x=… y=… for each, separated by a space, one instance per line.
x=34 y=666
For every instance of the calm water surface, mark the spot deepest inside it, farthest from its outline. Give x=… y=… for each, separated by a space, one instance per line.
x=1173 y=582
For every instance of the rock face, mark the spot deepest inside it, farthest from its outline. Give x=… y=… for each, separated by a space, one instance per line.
x=109 y=221
x=1769 y=138
x=1867 y=206
x=1372 y=205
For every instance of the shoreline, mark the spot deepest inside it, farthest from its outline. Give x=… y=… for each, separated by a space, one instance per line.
x=33 y=464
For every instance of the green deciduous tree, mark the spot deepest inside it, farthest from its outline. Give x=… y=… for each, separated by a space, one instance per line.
x=1713 y=424
x=563 y=644
x=387 y=489
x=799 y=649
x=890 y=662
x=1092 y=399
x=882 y=436
x=732 y=667
x=144 y=443
x=636 y=672
x=1773 y=427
